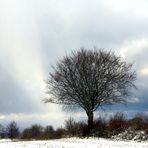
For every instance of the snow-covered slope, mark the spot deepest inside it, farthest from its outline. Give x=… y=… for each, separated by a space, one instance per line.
x=73 y=143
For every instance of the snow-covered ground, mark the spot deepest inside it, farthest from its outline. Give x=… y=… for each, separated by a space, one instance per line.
x=73 y=143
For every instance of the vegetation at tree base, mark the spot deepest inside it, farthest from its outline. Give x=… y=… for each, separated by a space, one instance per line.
x=117 y=123
x=90 y=79
x=106 y=128
x=71 y=127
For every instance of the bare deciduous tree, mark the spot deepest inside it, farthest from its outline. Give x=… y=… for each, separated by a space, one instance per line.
x=13 y=130
x=90 y=79
x=71 y=126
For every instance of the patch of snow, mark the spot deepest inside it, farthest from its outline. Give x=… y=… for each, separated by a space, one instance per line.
x=131 y=135
x=74 y=143
x=5 y=140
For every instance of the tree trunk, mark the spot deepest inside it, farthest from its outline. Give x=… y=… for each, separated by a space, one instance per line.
x=90 y=115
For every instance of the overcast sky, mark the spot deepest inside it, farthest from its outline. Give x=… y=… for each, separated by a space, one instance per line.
x=34 y=34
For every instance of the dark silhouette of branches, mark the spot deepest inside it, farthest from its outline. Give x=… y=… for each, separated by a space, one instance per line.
x=90 y=79
x=13 y=130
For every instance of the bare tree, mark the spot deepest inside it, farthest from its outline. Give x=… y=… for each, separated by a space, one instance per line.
x=13 y=130
x=36 y=131
x=49 y=132
x=71 y=126
x=3 y=132
x=90 y=79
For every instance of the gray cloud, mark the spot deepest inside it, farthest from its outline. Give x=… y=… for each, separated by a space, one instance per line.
x=14 y=97
x=35 y=33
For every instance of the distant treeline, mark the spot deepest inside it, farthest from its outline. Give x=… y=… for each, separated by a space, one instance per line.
x=102 y=128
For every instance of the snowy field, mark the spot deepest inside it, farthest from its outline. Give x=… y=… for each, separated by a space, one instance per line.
x=73 y=143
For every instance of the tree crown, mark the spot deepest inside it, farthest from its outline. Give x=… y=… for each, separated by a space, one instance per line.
x=89 y=79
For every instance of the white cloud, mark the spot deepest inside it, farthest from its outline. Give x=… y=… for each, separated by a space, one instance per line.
x=132 y=47
x=144 y=71
x=134 y=8
x=55 y=118
x=2 y=117
x=134 y=100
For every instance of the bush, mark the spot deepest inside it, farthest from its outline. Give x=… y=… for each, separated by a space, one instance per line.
x=26 y=134
x=100 y=127
x=139 y=122
x=49 y=132
x=82 y=129
x=34 y=132
x=60 y=133
x=71 y=127
x=117 y=123
x=145 y=128
x=74 y=128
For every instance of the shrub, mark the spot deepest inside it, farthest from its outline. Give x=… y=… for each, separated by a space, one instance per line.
x=74 y=128
x=60 y=133
x=71 y=127
x=117 y=123
x=49 y=132
x=36 y=131
x=83 y=129
x=138 y=122
x=100 y=127
x=145 y=127
x=26 y=134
